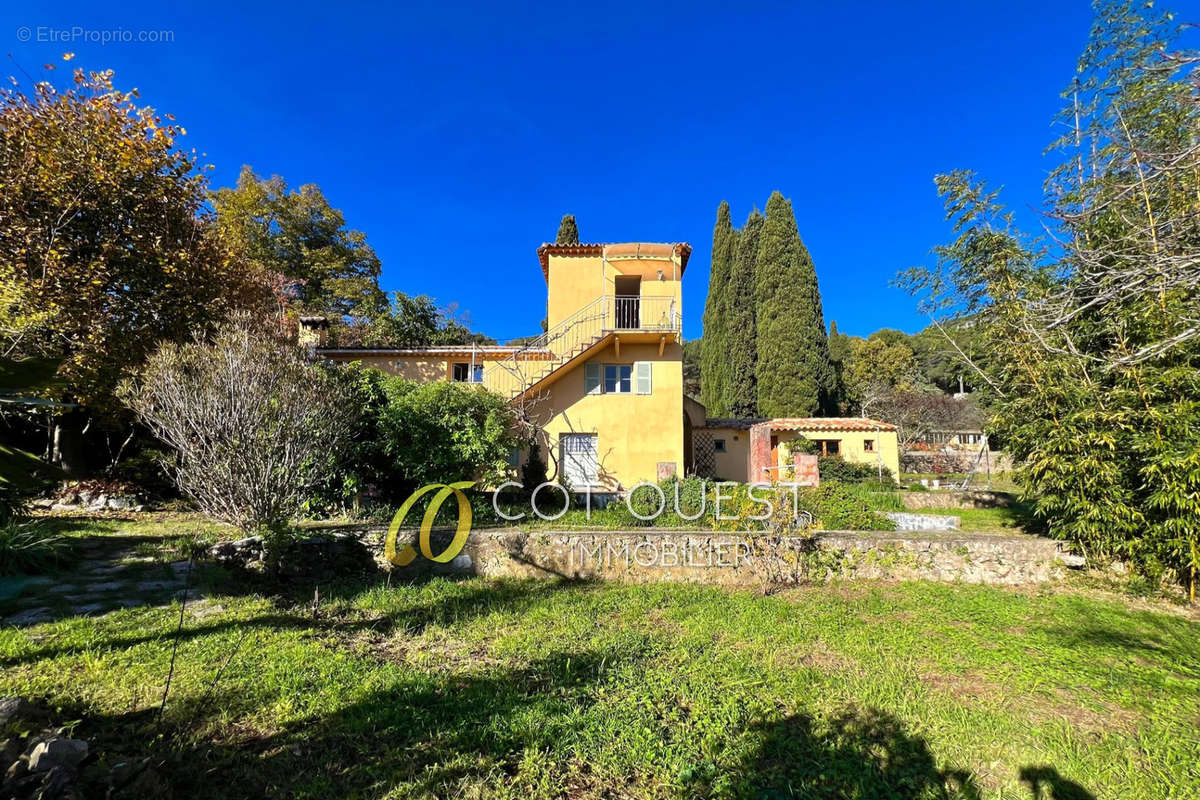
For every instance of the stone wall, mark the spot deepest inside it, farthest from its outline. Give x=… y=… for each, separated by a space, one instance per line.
x=751 y=561
x=955 y=499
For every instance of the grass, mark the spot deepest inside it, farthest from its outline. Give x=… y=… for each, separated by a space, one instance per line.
x=528 y=689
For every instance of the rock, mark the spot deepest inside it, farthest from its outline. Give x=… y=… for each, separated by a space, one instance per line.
x=106 y=586
x=61 y=783
x=156 y=586
x=63 y=507
x=122 y=503
x=240 y=553
x=10 y=707
x=31 y=616
x=43 y=502
x=16 y=770
x=58 y=752
x=1072 y=560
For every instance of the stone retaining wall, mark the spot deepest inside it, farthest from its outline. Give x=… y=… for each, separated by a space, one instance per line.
x=955 y=499
x=746 y=560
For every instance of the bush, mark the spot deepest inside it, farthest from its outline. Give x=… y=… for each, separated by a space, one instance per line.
x=28 y=547
x=360 y=471
x=645 y=501
x=256 y=426
x=836 y=468
x=442 y=432
x=835 y=506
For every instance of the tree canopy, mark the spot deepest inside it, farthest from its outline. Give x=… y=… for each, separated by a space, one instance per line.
x=714 y=365
x=1092 y=346
x=568 y=231
x=298 y=235
x=105 y=246
x=794 y=374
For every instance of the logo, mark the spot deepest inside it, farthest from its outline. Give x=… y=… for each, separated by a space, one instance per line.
x=409 y=553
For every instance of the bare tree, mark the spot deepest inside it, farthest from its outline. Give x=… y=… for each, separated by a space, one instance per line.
x=916 y=414
x=253 y=422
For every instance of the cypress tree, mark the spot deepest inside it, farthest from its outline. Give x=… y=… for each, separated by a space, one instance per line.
x=741 y=398
x=568 y=231
x=839 y=358
x=713 y=355
x=795 y=377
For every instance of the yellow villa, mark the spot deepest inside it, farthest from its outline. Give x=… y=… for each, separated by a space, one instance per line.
x=604 y=383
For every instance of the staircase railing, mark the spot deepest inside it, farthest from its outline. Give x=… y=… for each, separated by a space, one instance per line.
x=541 y=355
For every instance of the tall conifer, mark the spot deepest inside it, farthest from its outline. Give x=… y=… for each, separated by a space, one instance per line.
x=568 y=231
x=714 y=372
x=795 y=377
x=741 y=398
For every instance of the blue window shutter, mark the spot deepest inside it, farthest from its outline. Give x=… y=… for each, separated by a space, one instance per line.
x=591 y=378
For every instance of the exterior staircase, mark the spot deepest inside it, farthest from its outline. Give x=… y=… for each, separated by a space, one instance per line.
x=575 y=338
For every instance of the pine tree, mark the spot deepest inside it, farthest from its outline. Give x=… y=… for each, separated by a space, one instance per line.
x=741 y=351
x=568 y=231
x=714 y=373
x=795 y=377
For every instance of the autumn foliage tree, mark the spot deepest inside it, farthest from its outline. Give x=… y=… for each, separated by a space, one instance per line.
x=105 y=246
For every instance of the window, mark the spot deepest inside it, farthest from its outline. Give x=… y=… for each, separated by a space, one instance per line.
x=719 y=445
x=514 y=457
x=868 y=445
x=618 y=378
x=581 y=466
x=464 y=372
x=830 y=447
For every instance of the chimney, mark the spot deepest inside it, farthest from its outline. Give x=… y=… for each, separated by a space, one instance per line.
x=313 y=333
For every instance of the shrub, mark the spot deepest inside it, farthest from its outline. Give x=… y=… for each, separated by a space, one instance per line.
x=836 y=468
x=28 y=547
x=442 y=432
x=255 y=425
x=835 y=506
x=645 y=501
x=361 y=469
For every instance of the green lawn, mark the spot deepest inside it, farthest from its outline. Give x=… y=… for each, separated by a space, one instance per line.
x=481 y=688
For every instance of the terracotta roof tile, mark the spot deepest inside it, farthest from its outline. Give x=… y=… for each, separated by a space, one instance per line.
x=829 y=424
x=813 y=424
x=680 y=250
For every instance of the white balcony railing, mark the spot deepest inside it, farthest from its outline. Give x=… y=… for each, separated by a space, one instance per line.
x=606 y=314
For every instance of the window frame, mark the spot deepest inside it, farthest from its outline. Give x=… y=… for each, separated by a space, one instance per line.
x=624 y=376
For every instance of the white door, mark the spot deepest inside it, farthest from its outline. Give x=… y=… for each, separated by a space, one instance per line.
x=581 y=466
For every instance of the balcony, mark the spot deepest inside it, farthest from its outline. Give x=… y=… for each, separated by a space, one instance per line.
x=589 y=328
x=641 y=313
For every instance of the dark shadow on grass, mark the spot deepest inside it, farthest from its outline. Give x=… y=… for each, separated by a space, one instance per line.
x=1046 y=784
x=461 y=604
x=866 y=754
x=429 y=732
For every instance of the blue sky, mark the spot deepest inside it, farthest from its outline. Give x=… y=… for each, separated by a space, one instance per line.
x=455 y=135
